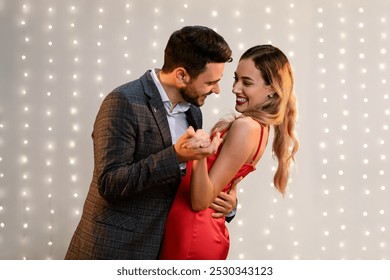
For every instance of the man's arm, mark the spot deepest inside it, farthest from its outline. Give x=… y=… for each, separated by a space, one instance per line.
x=129 y=155
x=129 y=158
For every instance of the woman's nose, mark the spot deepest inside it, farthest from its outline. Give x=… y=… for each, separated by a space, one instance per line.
x=235 y=88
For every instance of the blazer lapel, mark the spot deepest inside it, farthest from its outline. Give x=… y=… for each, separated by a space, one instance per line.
x=157 y=108
x=194 y=117
x=160 y=115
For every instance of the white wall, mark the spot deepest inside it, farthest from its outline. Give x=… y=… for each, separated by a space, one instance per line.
x=58 y=59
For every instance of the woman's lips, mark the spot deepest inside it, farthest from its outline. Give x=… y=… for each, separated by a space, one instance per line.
x=241 y=100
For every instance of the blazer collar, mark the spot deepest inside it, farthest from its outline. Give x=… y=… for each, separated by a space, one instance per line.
x=156 y=107
x=194 y=117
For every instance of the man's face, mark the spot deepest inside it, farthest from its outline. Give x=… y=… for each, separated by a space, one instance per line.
x=196 y=90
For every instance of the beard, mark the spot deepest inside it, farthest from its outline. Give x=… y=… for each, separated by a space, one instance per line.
x=191 y=96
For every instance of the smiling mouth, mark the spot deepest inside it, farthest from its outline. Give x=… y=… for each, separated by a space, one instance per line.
x=241 y=100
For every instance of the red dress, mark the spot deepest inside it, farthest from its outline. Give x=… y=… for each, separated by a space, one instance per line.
x=196 y=235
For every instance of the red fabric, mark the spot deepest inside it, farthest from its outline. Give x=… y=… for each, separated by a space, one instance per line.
x=193 y=234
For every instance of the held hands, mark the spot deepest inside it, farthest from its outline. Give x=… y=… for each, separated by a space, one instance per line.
x=197 y=139
x=195 y=145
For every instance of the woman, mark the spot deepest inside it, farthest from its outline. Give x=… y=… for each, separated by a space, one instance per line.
x=263 y=85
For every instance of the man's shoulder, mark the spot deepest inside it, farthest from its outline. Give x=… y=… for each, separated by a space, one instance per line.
x=132 y=86
x=136 y=89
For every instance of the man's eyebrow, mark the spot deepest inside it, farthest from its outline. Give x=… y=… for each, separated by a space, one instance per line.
x=213 y=82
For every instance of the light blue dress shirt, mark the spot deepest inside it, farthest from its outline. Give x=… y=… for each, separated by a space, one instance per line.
x=176 y=116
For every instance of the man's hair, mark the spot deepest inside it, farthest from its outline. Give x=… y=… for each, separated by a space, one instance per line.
x=192 y=47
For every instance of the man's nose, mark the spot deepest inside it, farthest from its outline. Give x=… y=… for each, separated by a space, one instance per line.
x=216 y=89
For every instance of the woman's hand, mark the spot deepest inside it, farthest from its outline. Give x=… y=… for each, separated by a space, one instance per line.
x=196 y=145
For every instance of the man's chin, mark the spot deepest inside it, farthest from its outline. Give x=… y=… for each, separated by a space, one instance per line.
x=199 y=103
x=196 y=102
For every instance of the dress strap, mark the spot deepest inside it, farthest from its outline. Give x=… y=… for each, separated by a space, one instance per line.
x=261 y=140
x=223 y=131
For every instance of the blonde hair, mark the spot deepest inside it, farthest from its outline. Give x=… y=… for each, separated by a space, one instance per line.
x=279 y=111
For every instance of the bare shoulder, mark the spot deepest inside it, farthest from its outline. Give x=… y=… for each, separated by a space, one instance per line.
x=245 y=125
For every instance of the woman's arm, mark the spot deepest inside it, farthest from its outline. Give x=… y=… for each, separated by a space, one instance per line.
x=239 y=146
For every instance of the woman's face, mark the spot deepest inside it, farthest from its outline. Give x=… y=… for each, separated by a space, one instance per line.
x=249 y=87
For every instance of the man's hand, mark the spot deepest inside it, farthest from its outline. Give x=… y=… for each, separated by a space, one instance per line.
x=199 y=139
x=225 y=203
x=196 y=145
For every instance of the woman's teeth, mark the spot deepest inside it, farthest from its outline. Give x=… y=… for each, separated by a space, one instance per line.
x=240 y=99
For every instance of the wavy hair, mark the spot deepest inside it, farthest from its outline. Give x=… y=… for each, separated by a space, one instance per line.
x=280 y=111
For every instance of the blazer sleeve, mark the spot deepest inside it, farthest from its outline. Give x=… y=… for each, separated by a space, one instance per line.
x=129 y=153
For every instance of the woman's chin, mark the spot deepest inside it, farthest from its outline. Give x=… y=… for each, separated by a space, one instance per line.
x=241 y=108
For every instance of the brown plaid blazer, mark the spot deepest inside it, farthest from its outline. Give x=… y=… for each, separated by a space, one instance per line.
x=135 y=176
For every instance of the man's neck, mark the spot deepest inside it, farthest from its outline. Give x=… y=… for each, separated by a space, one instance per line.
x=168 y=83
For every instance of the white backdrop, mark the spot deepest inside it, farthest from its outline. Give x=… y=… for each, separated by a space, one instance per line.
x=58 y=59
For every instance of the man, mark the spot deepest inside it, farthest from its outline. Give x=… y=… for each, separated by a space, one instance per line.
x=139 y=155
